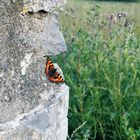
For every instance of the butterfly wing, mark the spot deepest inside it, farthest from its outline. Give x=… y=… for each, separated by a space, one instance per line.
x=52 y=73
x=49 y=66
x=57 y=78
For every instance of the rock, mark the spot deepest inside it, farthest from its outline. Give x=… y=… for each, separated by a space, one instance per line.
x=28 y=31
x=45 y=122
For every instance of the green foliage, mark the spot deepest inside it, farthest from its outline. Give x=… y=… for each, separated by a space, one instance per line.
x=101 y=68
x=118 y=0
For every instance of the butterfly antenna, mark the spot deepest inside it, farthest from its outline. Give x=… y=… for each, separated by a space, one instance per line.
x=47 y=57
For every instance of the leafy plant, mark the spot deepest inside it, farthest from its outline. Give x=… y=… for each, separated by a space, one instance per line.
x=101 y=68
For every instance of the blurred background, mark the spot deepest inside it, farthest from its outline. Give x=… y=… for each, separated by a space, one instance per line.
x=102 y=68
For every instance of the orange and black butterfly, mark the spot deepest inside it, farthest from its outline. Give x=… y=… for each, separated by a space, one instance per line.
x=51 y=72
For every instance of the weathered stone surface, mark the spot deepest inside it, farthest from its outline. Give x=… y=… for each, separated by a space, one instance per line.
x=45 y=122
x=47 y=5
x=28 y=31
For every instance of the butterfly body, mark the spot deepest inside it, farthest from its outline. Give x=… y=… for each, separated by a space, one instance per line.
x=52 y=73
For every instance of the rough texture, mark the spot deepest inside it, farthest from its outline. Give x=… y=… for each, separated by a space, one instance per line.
x=28 y=31
x=45 y=122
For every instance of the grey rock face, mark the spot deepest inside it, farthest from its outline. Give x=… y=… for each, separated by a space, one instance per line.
x=25 y=37
x=45 y=122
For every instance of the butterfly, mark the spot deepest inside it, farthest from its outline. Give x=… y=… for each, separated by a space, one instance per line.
x=51 y=72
